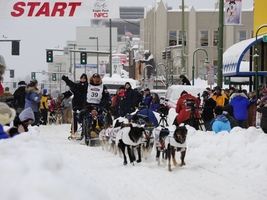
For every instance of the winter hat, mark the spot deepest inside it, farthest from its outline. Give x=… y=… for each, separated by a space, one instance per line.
x=84 y=76
x=94 y=108
x=205 y=93
x=26 y=114
x=44 y=91
x=147 y=89
x=2 y=65
x=22 y=83
x=32 y=83
x=218 y=88
x=7 y=114
x=183 y=92
x=122 y=88
x=218 y=110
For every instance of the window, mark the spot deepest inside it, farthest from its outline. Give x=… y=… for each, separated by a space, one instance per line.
x=252 y=32
x=204 y=38
x=215 y=38
x=172 y=38
x=81 y=48
x=241 y=35
x=181 y=37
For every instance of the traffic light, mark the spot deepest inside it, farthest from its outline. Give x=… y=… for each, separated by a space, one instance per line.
x=15 y=48
x=54 y=76
x=164 y=55
x=49 y=56
x=12 y=73
x=168 y=54
x=33 y=75
x=83 y=57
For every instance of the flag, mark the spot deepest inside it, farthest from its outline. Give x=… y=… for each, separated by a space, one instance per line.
x=128 y=33
x=233 y=11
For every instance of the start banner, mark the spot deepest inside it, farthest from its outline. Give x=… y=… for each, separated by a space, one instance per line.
x=90 y=9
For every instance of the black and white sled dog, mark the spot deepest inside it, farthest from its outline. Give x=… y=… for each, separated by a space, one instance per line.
x=130 y=137
x=168 y=141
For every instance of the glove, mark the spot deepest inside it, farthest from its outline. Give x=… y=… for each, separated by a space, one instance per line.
x=60 y=96
x=64 y=78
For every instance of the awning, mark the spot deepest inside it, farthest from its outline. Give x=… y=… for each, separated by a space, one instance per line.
x=233 y=56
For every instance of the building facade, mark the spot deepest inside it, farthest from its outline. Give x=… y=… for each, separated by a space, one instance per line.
x=162 y=28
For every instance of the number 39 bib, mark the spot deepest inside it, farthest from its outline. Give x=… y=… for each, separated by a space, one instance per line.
x=94 y=93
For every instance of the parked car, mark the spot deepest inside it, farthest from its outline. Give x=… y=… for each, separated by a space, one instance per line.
x=174 y=92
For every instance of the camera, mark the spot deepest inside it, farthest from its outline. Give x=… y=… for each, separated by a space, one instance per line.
x=190 y=104
x=163 y=110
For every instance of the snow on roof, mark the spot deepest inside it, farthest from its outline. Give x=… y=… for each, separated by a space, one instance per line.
x=233 y=56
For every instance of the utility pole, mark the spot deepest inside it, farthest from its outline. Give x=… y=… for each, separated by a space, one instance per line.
x=183 y=61
x=220 y=43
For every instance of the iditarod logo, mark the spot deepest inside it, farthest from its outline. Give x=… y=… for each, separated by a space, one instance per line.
x=100 y=9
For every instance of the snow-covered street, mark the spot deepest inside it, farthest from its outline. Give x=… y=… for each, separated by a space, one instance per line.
x=47 y=165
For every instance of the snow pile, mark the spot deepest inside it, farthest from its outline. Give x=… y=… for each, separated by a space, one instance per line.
x=30 y=170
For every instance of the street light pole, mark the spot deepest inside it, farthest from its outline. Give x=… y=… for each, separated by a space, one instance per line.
x=96 y=38
x=256 y=56
x=193 y=67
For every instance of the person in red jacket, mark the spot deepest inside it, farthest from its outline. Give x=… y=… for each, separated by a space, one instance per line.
x=187 y=109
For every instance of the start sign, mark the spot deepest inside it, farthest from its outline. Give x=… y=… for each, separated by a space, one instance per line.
x=44 y=9
x=86 y=9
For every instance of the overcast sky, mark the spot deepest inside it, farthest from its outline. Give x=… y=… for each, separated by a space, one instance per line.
x=38 y=34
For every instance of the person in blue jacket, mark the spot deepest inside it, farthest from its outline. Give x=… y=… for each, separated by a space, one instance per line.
x=221 y=122
x=145 y=115
x=147 y=97
x=240 y=104
x=32 y=100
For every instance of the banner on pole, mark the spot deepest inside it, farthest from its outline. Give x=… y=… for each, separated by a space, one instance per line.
x=233 y=11
x=93 y=9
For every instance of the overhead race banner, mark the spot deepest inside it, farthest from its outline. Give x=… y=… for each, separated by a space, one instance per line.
x=233 y=11
x=90 y=9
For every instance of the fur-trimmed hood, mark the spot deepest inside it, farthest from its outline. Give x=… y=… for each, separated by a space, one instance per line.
x=7 y=114
x=91 y=80
x=32 y=89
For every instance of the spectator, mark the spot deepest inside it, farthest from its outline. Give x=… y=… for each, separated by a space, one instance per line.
x=130 y=99
x=145 y=115
x=221 y=99
x=221 y=122
x=120 y=103
x=147 y=97
x=184 y=80
x=207 y=110
x=240 y=104
x=51 y=103
x=263 y=110
x=187 y=109
x=7 y=97
x=139 y=96
x=32 y=100
x=19 y=97
x=66 y=104
x=44 y=106
x=155 y=102
x=7 y=115
x=228 y=111
x=26 y=118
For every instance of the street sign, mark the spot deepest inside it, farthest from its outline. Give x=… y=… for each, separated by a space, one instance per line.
x=66 y=51
x=265 y=38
